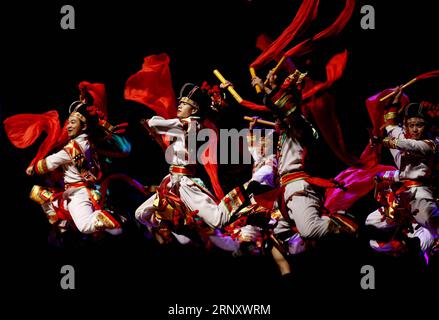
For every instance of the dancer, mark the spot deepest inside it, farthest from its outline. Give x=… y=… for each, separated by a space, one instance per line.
x=80 y=201
x=414 y=207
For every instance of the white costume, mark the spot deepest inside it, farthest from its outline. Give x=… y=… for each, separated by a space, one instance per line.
x=189 y=189
x=302 y=202
x=265 y=169
x=414 y=158
x=79 y=197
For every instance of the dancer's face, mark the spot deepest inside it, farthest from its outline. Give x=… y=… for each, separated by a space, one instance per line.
x=185 y=110
x=74 y=127
x=415 y=127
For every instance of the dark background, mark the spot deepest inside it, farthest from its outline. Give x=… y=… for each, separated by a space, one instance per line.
x=41 y=66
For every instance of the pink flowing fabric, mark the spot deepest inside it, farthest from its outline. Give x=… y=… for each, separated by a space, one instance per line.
x=360 y=180
x=357 y=181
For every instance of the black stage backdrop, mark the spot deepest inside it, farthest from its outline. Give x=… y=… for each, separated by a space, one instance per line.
x=41 y=66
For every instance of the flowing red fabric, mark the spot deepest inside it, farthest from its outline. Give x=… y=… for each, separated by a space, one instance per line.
x=267 y=199
x=263 y=41
x=209 y=158
x=430 y=74
x=375 y=108
x=24 y=129
x=357 y=181
x=152 y=86
x=254 y=106
x=323 y=111
x=64 y=137
x=333 y=30
x=323 y=108
x=334 y=71
x=305 y=15
x=97 y=91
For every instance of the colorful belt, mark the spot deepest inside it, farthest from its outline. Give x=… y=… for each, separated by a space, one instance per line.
x=76 y=185
x=411 y=183
x=292 y=177
x=407 y=184
x=182 y=170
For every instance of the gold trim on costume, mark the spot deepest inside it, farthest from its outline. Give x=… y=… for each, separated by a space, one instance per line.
x=189 y=101
x=390 y=143
x=41 y=167
x=40 y=195
x=103 y=222
x=284 y=106
x=79 y=116
x=390 y=116
x=300 y=76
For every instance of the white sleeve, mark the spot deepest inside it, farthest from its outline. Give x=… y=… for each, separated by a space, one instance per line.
x=171 y=127
x=57 y=159
x=394 y=132
x=416 y=146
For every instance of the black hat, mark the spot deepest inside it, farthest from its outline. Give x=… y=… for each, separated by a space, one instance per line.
x=417 y=110
x=193 y=95
x=85 y=113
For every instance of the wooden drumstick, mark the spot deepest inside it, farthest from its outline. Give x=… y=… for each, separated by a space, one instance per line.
x=391 y=94
x=230 y=88
x=261 y=121
x=253 y=74
x=274 y=70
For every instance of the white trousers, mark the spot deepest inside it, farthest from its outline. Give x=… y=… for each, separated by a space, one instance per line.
x=424 y=207
x=422 y=204
x=304 y=210
x=213 y=214
x=77 y=202
x=425 y=237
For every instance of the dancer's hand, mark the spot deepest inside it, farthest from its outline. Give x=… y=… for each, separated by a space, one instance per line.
x=226 y=85
x=256 y=81
x=272 y=77
x=252 y=123
x=30 y=171
x=398 y=93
